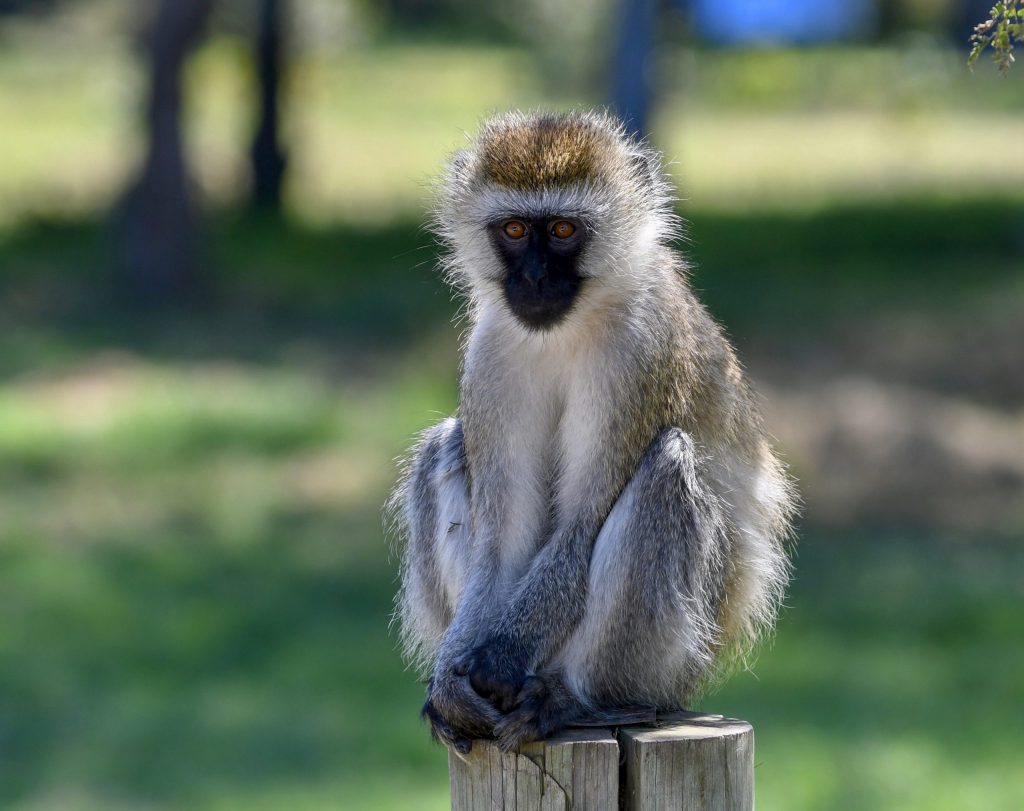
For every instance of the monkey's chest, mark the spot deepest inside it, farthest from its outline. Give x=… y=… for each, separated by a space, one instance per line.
x=539 y=444
x=549 y=470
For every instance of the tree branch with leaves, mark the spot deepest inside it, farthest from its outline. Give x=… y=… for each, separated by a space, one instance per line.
x=1002 y=31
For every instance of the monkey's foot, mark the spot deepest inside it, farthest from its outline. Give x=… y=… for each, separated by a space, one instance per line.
x=496 y=672
x=544 y=706
x=443 y=732
x=457 y=714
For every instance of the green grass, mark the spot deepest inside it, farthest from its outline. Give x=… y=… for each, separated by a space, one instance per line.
x=203 y=668
x=194 y=582
x=198 y=589
x=204 y=624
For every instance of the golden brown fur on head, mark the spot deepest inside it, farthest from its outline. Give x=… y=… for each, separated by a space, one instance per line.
x=576 y=164
x=545 y=151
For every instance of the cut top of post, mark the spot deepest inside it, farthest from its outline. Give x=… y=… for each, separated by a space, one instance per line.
x=688 y=726
x=685 y=762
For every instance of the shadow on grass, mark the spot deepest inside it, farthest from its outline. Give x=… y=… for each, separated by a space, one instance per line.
x=277 y=287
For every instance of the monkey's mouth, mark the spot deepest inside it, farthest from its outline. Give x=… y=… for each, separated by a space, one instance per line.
x=541 y=304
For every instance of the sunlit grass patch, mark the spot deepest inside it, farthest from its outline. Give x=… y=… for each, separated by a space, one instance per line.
x=119 y=419
x=806 y=160
x=368 y=127
x=139 y=443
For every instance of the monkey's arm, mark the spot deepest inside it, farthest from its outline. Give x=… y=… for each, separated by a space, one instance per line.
x=444 y=581
x=477 y=503
x=547 y=604
x=549 y=600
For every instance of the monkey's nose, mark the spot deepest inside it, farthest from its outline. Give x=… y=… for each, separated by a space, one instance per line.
x=535 y=268
x=535 y=275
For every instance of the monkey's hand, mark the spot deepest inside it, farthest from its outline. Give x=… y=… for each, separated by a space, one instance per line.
x=544 y=706
x=497 y=670
x=456 y=713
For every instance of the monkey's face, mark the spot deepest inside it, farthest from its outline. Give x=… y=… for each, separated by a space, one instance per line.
x=553 y=218
x=541 y=260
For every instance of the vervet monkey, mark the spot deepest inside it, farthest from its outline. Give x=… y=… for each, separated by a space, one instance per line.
x=602 y=525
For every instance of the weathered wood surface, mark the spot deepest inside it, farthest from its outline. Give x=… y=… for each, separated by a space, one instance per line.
x=685 y=762
x=577 y=770
x=689 y=762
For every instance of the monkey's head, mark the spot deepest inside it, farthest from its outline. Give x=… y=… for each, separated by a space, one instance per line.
x=545 y=213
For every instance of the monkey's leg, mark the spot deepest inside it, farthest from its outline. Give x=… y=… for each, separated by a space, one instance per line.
x=436 y=519
x=656 y=581
x=435 y=569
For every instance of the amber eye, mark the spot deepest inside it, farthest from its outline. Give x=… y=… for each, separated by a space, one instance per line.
x=563 y=229
x=515 y=229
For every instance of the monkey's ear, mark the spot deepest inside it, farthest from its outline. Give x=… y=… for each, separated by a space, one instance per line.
x=644 y=167
x=458 y=164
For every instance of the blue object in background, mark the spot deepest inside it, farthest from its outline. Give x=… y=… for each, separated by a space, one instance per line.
x=734 y=22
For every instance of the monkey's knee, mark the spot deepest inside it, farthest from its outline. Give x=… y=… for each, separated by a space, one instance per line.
x=655 y=585
x=436 y=516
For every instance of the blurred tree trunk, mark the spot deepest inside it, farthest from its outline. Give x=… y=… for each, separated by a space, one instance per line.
x=158 y=222
x=268 y=158
x=631 y=80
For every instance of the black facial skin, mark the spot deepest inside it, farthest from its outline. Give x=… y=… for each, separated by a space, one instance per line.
x=542 y=281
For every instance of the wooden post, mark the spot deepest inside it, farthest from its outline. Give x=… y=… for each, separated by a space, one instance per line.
x=685 y=762
x=577 y=769
x=692 y=762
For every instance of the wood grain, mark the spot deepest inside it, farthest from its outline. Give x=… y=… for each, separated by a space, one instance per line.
x=689 y=762
x=684 y=762
x=577 y=770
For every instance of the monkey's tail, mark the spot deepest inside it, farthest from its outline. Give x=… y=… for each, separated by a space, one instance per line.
x=614 y=717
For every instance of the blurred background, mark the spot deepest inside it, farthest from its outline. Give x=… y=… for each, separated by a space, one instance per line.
x=220 y=324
